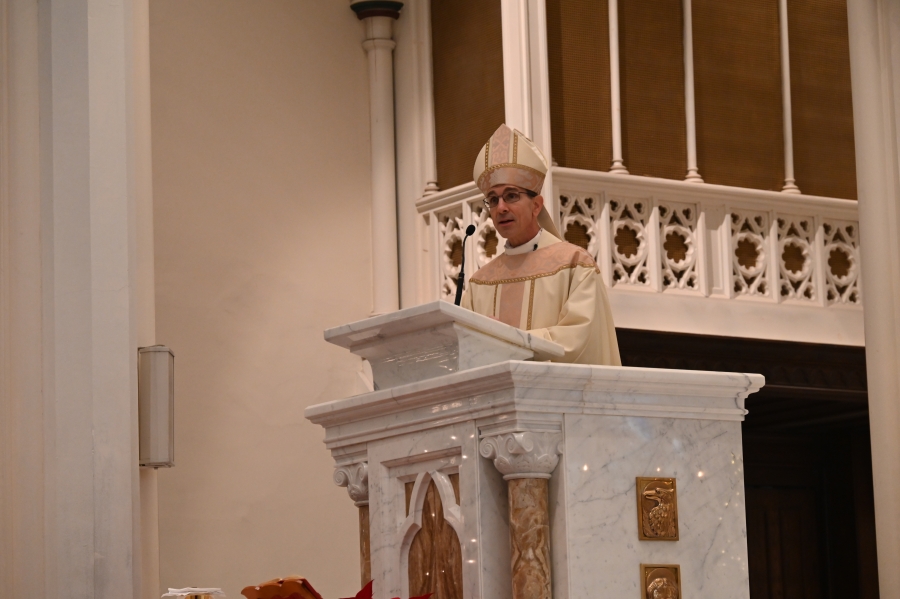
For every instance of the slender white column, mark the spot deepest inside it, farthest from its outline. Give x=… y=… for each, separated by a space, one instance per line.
x=874 y=28
x=379 y=46
x=516 y=65
x=618 y=166
x=426 y=97
x=790 y=185
x=145 y=282
x=24 y=544
x=693 y=174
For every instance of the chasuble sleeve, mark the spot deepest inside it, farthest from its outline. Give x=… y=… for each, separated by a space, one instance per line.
x=466 y=301
x=585 y=327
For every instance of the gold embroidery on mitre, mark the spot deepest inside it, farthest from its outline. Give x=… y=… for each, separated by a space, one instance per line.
x=522 y=167
x=515 y=147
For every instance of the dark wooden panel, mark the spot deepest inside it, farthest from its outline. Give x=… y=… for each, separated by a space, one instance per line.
x=578 y=55
x=467 y=62
x=737 y=73
x=783 y=553
x=652 y=83
x=824 y=156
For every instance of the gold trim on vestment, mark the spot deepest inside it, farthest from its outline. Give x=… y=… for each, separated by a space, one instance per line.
x=538 y=276
x=494 y=309
x=530 y=304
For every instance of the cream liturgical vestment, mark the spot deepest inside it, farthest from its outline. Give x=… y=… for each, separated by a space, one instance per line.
x=549 y=287
x=555 y=292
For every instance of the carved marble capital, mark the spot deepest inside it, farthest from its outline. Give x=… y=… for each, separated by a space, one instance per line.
x=523 y=455
x=356 y=478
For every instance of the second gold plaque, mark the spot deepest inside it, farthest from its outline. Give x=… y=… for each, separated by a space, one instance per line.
x=657 y=506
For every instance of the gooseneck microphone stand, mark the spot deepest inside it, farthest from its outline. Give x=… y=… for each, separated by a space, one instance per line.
x=460 y=280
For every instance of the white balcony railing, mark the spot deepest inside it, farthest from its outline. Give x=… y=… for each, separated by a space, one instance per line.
x=682 y=257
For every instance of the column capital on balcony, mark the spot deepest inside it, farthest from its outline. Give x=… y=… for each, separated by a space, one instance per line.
x=523 y=455
x=376 y=8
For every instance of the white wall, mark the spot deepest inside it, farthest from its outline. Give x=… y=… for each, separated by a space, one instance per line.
x=262 y=239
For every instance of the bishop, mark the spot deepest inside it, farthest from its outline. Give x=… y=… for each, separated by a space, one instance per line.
x=540 y=283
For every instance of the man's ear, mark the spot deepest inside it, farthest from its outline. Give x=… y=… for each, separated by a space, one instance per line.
x=538 y=204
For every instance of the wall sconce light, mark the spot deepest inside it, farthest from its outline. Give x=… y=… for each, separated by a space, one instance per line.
x=156 y=406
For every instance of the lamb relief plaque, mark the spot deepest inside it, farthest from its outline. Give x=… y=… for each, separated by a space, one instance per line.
x=657 y=509
x=660 y=581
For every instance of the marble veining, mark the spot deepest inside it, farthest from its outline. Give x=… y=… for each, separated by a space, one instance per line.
x=432 y=314
x=365 y=557
x=435 y=339
x=501 y=391
x=610 y=425
x=599 y=506
x=529 y=532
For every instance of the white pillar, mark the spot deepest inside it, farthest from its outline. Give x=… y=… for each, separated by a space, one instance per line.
x=516 y=65
x=145 y=282
x=618 y=166
x=790 y=185
x=23 y=547
x=693 y=174
x=425 y=77
x=379 y=45
x=69 y=378
x=874 y=27
x=416 y=157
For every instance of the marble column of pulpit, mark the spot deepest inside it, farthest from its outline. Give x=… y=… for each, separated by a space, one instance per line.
x=493 y=478
x=527 y=460
x=355 y=476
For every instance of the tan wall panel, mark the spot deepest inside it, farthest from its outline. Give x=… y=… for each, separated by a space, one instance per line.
x=467 y=58
x=737 y=75
x=578 y=55
x=824 y=154
x=652 y=79
x=262 y=196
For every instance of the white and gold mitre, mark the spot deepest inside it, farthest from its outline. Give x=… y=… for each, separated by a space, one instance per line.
x=510 y=158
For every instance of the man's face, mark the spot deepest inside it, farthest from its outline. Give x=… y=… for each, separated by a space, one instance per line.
x=517 y=220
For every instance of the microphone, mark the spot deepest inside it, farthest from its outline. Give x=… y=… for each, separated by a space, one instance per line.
x=460 y=280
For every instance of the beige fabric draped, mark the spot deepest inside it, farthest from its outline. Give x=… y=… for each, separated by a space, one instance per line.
x=555 y=292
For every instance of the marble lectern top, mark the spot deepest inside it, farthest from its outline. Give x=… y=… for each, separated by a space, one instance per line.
x=435 y=339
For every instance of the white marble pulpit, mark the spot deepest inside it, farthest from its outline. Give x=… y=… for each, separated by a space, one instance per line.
x=506 y=477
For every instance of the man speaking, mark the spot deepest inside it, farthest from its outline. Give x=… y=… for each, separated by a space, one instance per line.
x=541 y=284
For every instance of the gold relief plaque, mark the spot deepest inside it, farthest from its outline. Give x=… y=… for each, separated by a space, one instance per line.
x=660 y=581
x=657 y=509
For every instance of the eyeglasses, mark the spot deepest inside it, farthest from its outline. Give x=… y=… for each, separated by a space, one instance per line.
x=510 y=196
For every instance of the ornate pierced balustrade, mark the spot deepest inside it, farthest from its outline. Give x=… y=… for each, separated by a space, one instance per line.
x=679 y=256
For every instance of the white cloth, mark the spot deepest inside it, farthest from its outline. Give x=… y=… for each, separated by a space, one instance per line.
x=187 y=591
x=528 y=246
